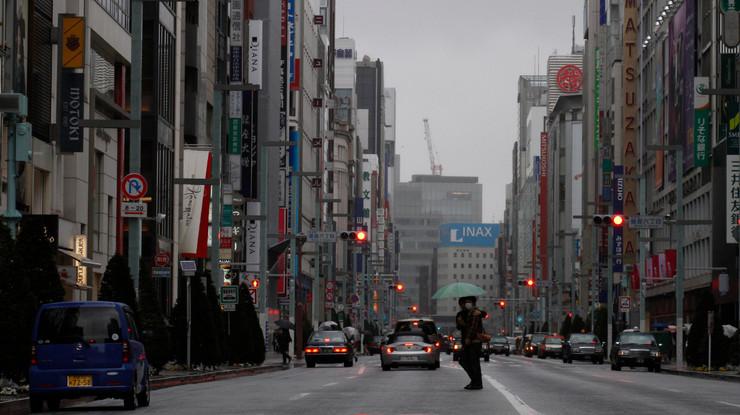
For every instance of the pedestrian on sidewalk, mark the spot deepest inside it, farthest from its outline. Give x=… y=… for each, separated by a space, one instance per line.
x=284 y=341
x=471 y=339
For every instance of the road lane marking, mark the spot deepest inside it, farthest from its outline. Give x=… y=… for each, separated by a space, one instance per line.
x=362 y=370
x=329 y=384
x=351 y=377
x=299 y=396
x=672 y=390
x=729 y=404
x=519 y=405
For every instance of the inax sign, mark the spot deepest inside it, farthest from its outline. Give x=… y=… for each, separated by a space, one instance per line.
x=468 y=234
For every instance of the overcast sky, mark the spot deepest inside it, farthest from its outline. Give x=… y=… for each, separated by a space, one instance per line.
x=457 y=62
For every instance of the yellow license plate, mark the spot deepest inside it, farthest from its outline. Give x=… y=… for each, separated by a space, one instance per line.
x=79 y=381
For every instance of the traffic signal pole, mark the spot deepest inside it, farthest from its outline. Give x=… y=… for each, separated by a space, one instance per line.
x=134 y=162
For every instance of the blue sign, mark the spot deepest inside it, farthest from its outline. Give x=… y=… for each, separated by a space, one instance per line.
x=468 y=234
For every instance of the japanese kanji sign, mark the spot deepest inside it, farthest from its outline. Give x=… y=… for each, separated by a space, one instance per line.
x=733 y=196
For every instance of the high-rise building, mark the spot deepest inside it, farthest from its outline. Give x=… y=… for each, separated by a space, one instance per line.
x=421 y=206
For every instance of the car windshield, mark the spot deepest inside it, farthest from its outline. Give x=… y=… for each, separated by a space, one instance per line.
x=499 y=339
x=583 y=338
x=552 y=340
x=428 y=327
x=328 y=337
x=635 y=338
x=79 y=324
x=409 y=339
x=538 y=338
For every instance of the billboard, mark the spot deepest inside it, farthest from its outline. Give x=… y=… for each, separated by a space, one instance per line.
x=195 y=205
x=468 y=234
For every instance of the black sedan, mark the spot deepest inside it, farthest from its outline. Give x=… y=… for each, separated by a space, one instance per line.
x=329 y=347
x=634 y=349
x=583 y=347
x=500 y=345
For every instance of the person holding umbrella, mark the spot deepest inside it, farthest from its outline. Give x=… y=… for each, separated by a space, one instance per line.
x=284 y=339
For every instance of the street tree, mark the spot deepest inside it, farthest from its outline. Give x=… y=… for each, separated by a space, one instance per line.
x=152 y=322
x=36 y=262
x=17 y=308
x=117 y=284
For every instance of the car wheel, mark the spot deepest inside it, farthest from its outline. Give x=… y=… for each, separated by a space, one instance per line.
x=594 y=361
x=144 y=396
x=349 y=363
x=507 y=354
x=650 y=368
x=386 y=368
x=601 y=361
x=37 y=404
x=53 y=404
x=310 y=363
x=437 y=364
x=129 y=401
x=616 y=367
x=656 y=368
x=486 y=358
x=432 y=366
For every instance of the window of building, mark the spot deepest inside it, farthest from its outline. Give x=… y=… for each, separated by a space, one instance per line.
x=470 y=254
x=477 y=277
x=484 y=266
x=454 y=265
x=470 y=265
x=166 y=81
x=119 y=10
x=477 y=254
x=477 y=266
x=454 y=254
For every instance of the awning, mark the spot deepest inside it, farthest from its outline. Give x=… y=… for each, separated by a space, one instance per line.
x=79 y=258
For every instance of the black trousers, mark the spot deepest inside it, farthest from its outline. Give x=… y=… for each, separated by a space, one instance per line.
x=286 y=356
x=471 y=363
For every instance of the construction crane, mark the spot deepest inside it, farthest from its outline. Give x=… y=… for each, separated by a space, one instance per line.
x=433 y=156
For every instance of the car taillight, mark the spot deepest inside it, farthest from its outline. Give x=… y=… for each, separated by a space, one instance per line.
x=408 y=344
x=427 y=349
x=437 y=344
x=312 y=349
x=389 y=350
x=340 y=350
x=456 y=347
x=34 y=360
x=126 y=352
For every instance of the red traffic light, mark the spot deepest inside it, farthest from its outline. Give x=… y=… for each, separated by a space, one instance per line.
x=530 y=282
x=502 y=304
x=400 y=287
x=617 y=220
x=413 y=309
x=255 y=284
x=361 y=236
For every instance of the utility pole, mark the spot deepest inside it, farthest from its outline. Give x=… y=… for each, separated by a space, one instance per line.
x=134 y=224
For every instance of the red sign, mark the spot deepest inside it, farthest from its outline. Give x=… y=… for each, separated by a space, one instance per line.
x=134 y=186
x=162 y=259
x=570 y=78
x=543 y=204
x=670 y=262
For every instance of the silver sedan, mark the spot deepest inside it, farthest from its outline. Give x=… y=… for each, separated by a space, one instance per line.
x=408 y=350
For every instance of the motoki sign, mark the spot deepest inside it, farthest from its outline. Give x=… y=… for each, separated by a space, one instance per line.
x=71 y=134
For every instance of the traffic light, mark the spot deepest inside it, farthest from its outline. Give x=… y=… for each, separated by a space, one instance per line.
x=530 y=282
x=358 y=236
x=616 y=220
x=255 y=284
x=502 y=304
x=399 y=287
x=413 y=308
x=570 y=314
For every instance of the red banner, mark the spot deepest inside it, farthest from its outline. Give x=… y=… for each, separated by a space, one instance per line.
x=670 y=263
x=655 y=264
x=543 y=205
x=635 y=277
x=296 y=84
x=535 y=293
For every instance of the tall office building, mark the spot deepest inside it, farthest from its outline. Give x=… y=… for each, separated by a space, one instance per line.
x=421 y=206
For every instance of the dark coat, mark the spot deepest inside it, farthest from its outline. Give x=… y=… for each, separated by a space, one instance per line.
x=284 y=340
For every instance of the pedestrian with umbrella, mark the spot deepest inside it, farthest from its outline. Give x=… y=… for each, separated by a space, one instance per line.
x=470 y=323
x=284 y=339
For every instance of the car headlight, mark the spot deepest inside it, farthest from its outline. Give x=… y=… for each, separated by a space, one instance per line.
x=623 y=352
x=655 y=354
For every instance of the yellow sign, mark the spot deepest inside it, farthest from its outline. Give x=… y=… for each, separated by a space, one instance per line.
x=81 y=250
x=73 y=42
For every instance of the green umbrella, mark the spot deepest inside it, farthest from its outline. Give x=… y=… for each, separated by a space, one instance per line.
x=457 y=290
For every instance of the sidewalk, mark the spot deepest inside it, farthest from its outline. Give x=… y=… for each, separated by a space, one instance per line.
x=730 y=376
x=169 y=378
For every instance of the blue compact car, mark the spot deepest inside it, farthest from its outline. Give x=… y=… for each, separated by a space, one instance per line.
x=88 y=348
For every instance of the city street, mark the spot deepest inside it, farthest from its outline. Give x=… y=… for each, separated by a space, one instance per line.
x=513 y=385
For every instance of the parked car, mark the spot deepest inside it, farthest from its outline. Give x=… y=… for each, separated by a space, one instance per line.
x=374 y=345
x=666 y=344
x=87 y=348
x=551 y=346
x=409 y=349
x=500 y=345
x=329 y=347
x=512 y=344
x=583 y=347
x=532 y=345
x=635 y=349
